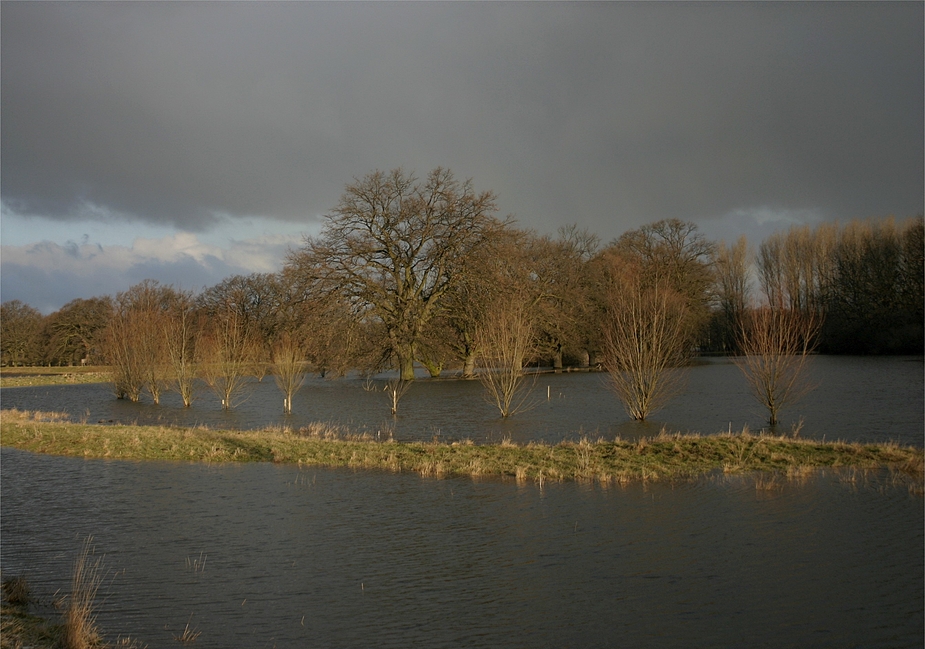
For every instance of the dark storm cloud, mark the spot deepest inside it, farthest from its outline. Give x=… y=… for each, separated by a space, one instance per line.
x=609 y=115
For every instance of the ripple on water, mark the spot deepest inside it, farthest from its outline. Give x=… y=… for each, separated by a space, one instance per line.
x=855 y=399
x=271 y=555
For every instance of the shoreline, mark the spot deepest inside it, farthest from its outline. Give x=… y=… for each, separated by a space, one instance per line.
x=660 y=458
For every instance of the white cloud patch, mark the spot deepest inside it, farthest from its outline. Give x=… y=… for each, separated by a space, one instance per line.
x=778 y=218
x=47 y=275
x=758 y=222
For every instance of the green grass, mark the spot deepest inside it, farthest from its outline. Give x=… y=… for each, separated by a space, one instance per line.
x=664 y=457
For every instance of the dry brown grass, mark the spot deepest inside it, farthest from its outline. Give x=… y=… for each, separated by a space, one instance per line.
x=188 y=635
x=13 y=414
x=80 y=630
x=16 y=591
x=20 y=630
x=768 y=482
x=19 y=377
x=663 y=457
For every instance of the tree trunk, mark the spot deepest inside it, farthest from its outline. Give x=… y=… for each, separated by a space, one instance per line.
x=406 y=366
x=434 y=368
x=469 y=364
x=584 y=359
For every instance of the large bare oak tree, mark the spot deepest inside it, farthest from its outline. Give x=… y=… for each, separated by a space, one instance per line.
x=391 y=249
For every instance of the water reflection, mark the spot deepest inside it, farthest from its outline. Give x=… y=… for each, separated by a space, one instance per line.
x=341 y=559
x=857 y=399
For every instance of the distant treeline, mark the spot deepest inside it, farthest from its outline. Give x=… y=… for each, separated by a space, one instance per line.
x=412 y=272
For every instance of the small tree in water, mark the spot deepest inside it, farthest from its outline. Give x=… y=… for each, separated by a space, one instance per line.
x=288 y=369
x=396 y=388
x=182 y=333
x=646 y=344
x=776 y=343
x=228 y=357
x=506 y=340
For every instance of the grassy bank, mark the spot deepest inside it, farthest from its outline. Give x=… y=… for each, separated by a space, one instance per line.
x=20 y=377
x=20 y=629
x=664 y=457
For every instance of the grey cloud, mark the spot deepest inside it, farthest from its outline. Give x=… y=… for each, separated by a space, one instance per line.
x=605 y=114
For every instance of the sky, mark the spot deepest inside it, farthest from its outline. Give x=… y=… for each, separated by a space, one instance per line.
x=187 y=142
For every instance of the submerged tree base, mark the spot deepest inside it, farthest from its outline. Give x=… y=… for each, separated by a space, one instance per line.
x=664 y=457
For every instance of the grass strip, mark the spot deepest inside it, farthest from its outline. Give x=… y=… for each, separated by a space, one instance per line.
x=25 y=377
x=664 y=457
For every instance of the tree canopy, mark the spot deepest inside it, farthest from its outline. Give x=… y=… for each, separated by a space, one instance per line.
x=391 y=249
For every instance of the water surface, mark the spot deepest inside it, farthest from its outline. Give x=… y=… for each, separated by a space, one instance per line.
x=264 y=555
x=870 y=399
x=337 y=558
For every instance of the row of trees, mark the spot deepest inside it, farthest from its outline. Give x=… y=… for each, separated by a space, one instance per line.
x=413 y=271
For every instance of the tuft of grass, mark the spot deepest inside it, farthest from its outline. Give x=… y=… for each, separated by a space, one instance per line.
x=520 y=474
x=80 y=630
x=197 y=565
x=188 y=635
x=799 y=472
x=16 y=591
x=19 y=629
x=768 y=482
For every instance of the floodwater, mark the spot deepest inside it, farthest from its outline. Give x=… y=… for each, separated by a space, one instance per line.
x=264 y=555
x=869 y=399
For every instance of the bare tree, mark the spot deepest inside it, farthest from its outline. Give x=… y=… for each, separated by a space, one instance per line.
x=125 y=360
x=330 y=330
x=135 y=340
x=500 y=265
x=731 y=269
x=672 y=254
x=74 y=333
x=258 y=301
x=20 y=325
x=389 y=247
x=796 y=267
x=647 y=340
x=395 y=389
x=875 y=303
x=506 y=340
x=150 y=304
x=556 y=272
x=288 y=369
x=776 y=344
x=182 y=335
x=580 y=247
x=228 y=356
